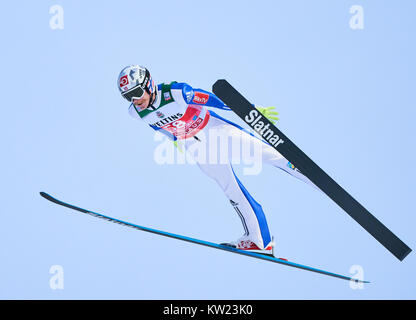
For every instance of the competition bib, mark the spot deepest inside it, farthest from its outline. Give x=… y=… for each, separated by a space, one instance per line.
x=193 y=121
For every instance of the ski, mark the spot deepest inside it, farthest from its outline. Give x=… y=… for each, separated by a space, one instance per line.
x=245 y=110
x=200 y=242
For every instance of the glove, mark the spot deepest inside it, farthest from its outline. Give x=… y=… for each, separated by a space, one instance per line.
x=177 y=145
x=268 y=113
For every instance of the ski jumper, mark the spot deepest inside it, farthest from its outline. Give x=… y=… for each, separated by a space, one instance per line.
x=181 y=112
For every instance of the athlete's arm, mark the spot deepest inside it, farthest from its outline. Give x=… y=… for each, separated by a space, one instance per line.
x=202 y=97
x=209 y=99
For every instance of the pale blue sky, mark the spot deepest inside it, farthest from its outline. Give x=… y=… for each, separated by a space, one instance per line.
x=345 y=97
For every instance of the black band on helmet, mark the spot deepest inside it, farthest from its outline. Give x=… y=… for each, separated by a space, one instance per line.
x=146 y=81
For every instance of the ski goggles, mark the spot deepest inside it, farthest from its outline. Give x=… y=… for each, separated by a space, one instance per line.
x=136 y=93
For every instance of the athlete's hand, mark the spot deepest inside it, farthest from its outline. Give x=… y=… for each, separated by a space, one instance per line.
x=178 y=145
x=268 y=113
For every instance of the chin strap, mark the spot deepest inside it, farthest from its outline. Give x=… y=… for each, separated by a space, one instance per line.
x=154 y=98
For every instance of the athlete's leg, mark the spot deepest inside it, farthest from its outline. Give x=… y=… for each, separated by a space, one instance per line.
x=249 y=211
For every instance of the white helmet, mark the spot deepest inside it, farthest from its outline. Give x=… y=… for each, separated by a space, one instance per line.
x=133 y=81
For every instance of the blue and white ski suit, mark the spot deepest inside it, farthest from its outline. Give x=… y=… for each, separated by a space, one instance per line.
x=181 y=112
